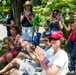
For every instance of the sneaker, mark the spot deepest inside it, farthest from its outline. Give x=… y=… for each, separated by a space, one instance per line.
x=72 y=72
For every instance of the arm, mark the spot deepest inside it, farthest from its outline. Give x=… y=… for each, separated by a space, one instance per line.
x=21 y=18
x=53 y=70
x=12 y=23
x=67 y=28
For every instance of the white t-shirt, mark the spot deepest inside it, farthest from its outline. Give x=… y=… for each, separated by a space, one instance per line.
x=49 y=52
x=60 y=59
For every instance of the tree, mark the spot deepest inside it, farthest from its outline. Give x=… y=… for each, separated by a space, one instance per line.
x=17 y=6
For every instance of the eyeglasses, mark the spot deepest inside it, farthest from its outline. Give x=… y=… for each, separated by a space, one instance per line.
x=45 y=40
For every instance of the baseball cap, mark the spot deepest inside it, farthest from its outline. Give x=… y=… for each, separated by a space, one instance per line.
x=57 y=35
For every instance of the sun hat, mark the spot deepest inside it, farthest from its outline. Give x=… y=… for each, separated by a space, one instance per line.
x=57 y=34
x=27 y=3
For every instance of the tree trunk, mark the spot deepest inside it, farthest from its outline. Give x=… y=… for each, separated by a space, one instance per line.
x=17 y=6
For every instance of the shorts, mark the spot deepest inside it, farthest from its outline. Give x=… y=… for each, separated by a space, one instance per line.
x=14 y=54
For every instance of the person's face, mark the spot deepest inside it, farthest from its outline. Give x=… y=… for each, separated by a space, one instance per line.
x=13 y=31
x=55 y=43
x=28 y=7
x=46 y=41
x=9 y=14
x=55 y=13
x=74 y=15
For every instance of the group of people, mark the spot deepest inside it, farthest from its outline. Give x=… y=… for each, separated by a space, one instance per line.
x=26 y=57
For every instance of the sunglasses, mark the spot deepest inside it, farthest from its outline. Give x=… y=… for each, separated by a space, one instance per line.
x=27 y=5
x=45 y=40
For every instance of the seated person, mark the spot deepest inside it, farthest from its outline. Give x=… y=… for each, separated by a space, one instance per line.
x=46 y=42
x=22 y=64
x=13 y=46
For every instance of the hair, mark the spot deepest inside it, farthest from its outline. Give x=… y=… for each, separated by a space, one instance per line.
x=10 y=12
x=55 y=11
x=62 y=45
x=62 y=40
x=47 y=21
x=16 y=28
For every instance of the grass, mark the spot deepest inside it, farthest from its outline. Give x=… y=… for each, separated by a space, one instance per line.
x=2 y=51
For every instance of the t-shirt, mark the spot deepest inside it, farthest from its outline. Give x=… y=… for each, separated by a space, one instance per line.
x=17 y=42
x=36 y=20
x=72 y=36
x=48 y=53
x=25 y=22
x=60 y=59
x=6 y=18
x=54 y=26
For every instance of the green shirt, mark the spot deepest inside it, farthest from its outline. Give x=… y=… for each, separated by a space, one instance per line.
x=36 y=20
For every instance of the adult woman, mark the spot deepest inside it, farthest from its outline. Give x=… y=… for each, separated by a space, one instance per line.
x=26 y=20
x=56 y=22
x=57 y=64
x=13 y=45
x=71 y=39
x=9 y=21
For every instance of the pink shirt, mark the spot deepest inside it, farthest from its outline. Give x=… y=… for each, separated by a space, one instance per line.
x=72 y=36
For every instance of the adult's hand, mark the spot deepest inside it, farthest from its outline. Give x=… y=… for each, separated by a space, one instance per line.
x=39 y=52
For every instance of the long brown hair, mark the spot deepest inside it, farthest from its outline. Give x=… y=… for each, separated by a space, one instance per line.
x=62 y=45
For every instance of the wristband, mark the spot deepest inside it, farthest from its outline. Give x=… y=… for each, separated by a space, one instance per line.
x=45 y=62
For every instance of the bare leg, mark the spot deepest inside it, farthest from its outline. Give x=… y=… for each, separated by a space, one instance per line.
x=9 y=57
x=15 y=62
x=2 y=61
x=22 y=55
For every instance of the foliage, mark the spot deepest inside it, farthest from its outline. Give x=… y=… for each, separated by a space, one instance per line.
x=5 y=5
x=36 y=2
x=51 y=5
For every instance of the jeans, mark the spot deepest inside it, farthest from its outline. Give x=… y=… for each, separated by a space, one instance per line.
x=73 y=56
x=72 y=51
x=70 y=46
